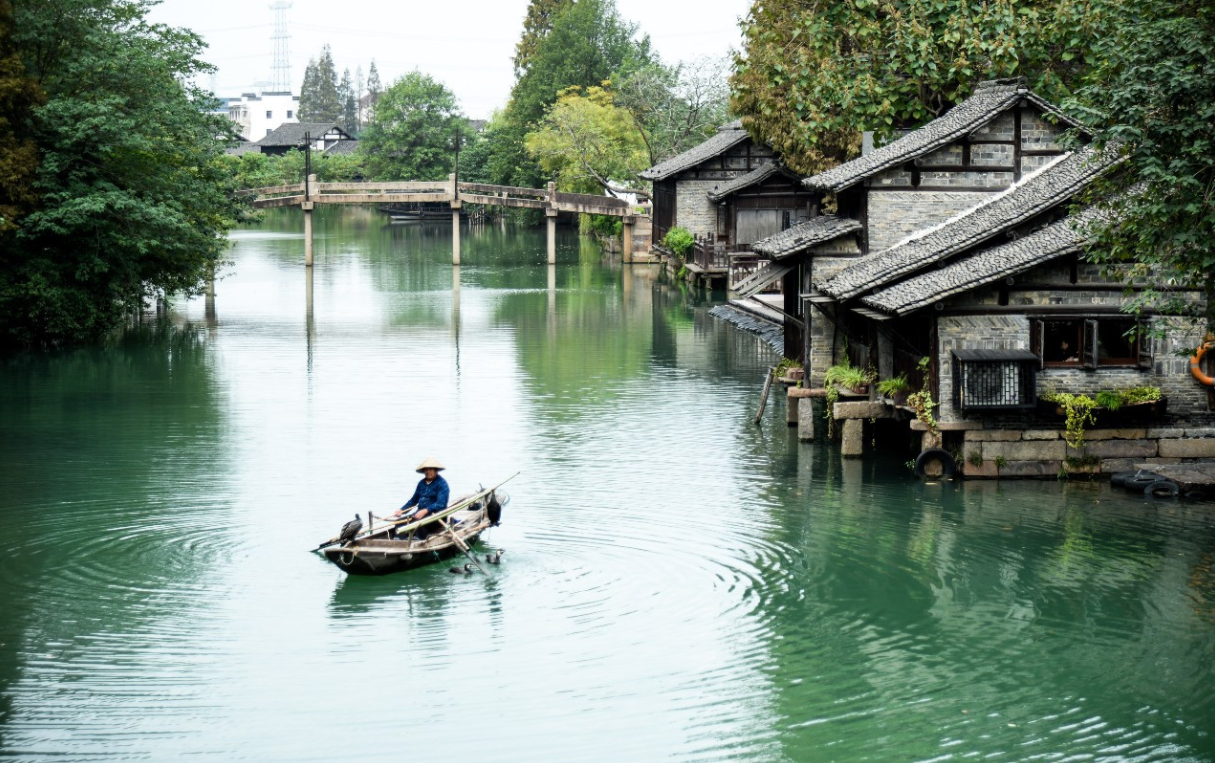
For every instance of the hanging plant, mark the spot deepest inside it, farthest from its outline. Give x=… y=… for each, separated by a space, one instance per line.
x=1079 y=412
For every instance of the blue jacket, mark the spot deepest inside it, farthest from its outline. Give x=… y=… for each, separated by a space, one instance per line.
x=431 y=495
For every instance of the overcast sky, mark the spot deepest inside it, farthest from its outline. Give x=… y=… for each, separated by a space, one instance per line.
x=468 y=45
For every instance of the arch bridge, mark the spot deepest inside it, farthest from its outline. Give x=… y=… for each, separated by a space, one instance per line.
x=310 y=193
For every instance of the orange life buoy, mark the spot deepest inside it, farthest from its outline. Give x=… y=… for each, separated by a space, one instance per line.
x=1196 y=368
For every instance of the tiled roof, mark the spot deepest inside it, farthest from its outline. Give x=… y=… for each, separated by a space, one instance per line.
x=241 y=148
x=342 y=147
x=985 y=104
x=292 y=133
x=801 y=237
x=1047 y=187
x=984 y=267
x=757 y=175
x=728 y=136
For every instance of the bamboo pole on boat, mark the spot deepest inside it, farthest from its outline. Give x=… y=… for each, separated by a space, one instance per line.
x=460 y=544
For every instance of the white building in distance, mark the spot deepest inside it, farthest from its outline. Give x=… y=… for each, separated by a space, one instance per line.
x=259 y=115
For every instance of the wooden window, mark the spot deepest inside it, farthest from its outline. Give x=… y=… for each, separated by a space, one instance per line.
x=1090 y=342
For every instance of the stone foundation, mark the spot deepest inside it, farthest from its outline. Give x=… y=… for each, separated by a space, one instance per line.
x=1002 y=453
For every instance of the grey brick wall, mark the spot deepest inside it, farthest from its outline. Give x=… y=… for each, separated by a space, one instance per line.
x=985 y=332
x=894 y=215
x=1037 y=134
x=693 y=210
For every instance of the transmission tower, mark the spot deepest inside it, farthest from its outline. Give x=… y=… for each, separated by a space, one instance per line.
x=282 y=55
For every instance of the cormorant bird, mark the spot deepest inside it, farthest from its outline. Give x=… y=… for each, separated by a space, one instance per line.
x=465 y=570
x=493 y=510
x=350 y=529
x=496 y=557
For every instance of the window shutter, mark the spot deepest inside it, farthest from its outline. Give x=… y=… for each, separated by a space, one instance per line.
x=1088 y=347
x=1037 y=339
x=1143 y=341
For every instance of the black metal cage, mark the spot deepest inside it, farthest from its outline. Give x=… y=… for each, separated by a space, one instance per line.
x=994 y=380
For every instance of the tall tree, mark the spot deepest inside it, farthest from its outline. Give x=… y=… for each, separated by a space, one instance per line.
x=814 y=74
x=132 y=200
x=308 y=92
x=541 y=15
x=358 y=96
x=1152 y=97
x=328 y=106
x=374 y=88
x=350 y=106
x=675 y=108
x=412 y=131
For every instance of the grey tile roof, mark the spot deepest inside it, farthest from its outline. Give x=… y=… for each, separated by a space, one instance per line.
x=984 y=267
x=241 y=148
x=292 y=133
x=1047 y=187
x=727 y=137
x=342 y=147
x=801 y=237
x=757 y=175
x=985 y=104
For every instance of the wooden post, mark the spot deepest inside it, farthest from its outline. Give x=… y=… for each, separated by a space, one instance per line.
x=628 y=221
x=307 y=207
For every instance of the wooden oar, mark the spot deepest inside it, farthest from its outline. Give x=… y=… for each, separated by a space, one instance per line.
x=405 y=524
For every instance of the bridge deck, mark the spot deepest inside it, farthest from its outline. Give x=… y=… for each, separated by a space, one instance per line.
x=438 y=191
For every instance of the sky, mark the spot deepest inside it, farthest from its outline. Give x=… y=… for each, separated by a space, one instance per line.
x=467 y=45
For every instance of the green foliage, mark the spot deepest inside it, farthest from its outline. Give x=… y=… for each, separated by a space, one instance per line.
x=585 y=141
x=1152 y=95
x=1136 y=395
x=20 y=95
x=1079 y=412
x=921 y=403
x=678 y=107
x=895 y=385
x=541 y=15
x=784 y=366
x=1108 y=400
x=679 y=241
x=847 y=376
x=348 y=97
x=812 y=76
x=133 y=200
x=975 y=458
x=412 y=133
x=1000 y=462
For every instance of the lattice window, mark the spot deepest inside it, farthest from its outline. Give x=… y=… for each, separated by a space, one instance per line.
x=992 y=380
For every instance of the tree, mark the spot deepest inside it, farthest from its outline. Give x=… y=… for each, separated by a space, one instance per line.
x=350 y=107
x=588 y=44
x=319 y=101
x=132 y=199
x=814 y=74
x=1152 y=97
x=541 y=14
x=412 y=131
x=586 y=141
x=677 y=107
x=374 y=88
x=20 y=95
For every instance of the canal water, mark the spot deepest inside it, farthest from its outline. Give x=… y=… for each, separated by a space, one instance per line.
x=678 y=584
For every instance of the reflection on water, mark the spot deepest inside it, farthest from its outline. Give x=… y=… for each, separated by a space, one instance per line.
x=678 y=583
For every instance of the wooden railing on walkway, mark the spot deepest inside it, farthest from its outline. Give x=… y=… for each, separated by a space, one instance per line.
x=743 y=265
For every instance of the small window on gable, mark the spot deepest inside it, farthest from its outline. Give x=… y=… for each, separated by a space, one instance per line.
x=269 y=115
x=993 y=380
x=290 y=113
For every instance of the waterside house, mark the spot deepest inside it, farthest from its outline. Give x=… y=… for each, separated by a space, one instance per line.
x=728 y=192
x=957 y=243
x=324 y=137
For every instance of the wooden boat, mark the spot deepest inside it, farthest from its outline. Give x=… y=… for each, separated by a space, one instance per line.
x=387 y=547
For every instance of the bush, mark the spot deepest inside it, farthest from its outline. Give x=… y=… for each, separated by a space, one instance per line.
x=679 y=241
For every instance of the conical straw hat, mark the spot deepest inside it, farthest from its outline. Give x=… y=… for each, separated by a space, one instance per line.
x=430 y=463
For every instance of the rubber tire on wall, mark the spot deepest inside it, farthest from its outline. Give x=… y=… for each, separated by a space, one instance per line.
x=948 y=467
x=1142 y=481
x=1169 y=488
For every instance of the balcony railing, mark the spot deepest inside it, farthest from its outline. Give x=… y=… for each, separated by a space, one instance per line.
x=743 y=265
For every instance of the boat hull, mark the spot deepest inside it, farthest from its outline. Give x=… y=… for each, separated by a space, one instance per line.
x=387 y=557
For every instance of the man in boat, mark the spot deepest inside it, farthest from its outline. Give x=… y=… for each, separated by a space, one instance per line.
x=429 y=496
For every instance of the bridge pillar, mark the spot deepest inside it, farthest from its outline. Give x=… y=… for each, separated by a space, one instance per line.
x=550 y=217
x=307 y=207
x=455 y=233
x=628 y=221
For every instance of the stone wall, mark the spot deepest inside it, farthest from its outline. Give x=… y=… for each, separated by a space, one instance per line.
x=693 y=210
x=1043 y=452
x=894 y=215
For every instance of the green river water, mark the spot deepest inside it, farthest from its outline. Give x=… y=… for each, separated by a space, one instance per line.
x=677 y=584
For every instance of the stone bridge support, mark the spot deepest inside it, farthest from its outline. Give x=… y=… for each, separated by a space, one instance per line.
x=628 y=221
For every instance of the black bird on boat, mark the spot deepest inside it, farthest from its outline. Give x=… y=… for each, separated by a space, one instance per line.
x=465 y=570
x=493 y=510
x=496 y=557
x=350 y=529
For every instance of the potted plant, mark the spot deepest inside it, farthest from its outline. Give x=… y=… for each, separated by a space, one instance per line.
x=847 y=377
x=897 y=388
x=789 y=370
